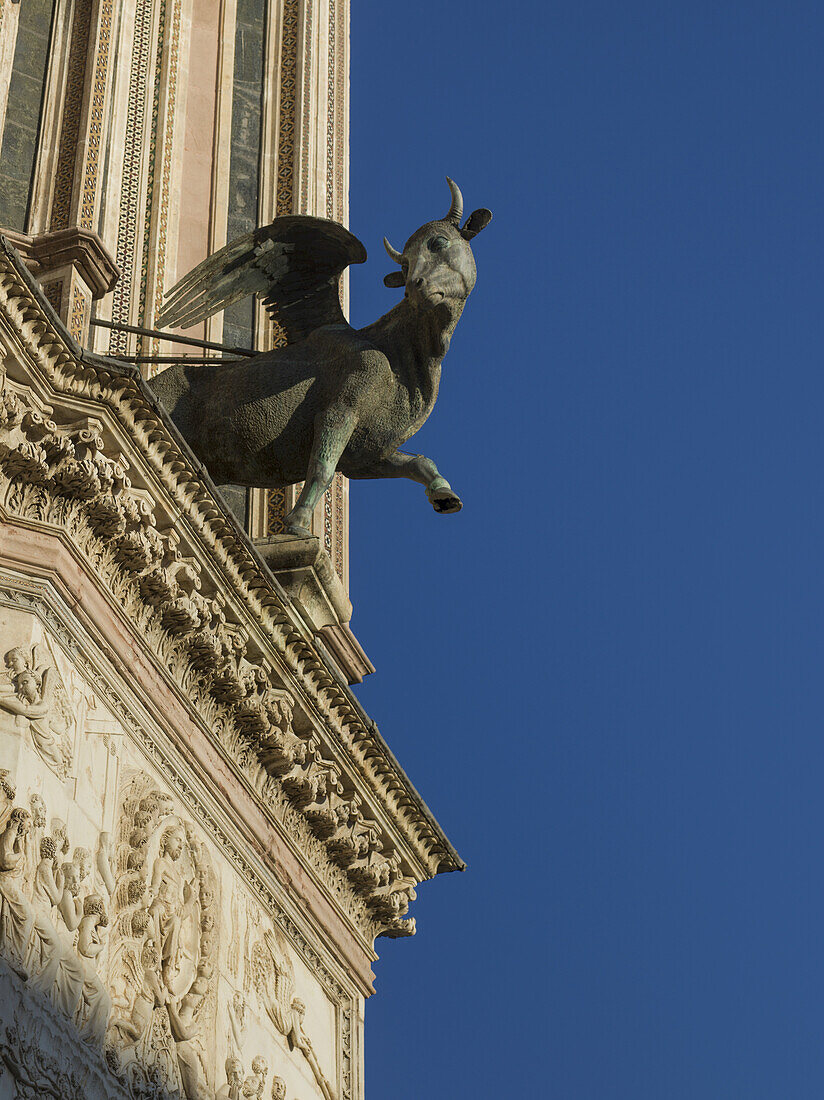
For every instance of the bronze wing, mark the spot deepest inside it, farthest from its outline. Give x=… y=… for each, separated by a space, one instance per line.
x=294 y=265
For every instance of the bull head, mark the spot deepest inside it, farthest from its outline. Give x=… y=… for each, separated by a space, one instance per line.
x=437 y=263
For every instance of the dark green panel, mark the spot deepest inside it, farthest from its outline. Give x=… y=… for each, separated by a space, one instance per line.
x=28 y=78
x=244 y=160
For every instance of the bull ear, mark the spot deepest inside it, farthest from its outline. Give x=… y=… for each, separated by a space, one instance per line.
x=477 y=220
x=394 y=278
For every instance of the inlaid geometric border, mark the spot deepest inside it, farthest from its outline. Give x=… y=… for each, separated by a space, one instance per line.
x=308 y=73
x=276 y=499
x=288 y=106
x=132 y=158
x=99 y=84
x=150 y=179
x=72 y=113
x=168 y=142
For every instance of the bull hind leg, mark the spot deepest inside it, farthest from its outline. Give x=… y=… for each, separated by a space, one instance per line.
x=442 y=496
x=332 y=431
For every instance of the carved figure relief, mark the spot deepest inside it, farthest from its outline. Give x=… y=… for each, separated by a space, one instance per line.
x=38 y=922
x=163 y=962
x=35 y=696
x=274 y=980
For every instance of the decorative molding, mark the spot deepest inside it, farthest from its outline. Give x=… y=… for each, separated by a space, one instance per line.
x=168 y=141
x=96 y=112
x=128 y=225
x=288 y=106
x=307 y=101
x=149 y=206
x=72 y=116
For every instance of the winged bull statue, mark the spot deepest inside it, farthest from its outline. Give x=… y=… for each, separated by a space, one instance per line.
x=335 y=397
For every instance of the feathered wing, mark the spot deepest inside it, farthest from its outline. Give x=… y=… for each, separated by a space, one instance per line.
x=294 y=265
x=274 y=979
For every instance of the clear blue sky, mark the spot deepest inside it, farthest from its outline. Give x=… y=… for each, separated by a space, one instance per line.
x=605 y=674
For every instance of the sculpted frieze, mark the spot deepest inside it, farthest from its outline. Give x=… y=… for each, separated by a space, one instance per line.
x=120 y=930
x=53 y=928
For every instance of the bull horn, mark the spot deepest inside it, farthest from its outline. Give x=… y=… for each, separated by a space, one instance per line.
x=456 y=209
x=393 y=252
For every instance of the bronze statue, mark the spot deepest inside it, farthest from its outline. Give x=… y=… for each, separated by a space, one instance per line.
x=335 y=398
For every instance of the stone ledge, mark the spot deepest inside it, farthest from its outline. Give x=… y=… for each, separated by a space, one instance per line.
x=306 y=573
x=78 y=248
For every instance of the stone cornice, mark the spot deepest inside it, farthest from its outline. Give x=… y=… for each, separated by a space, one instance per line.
x=210 y=607
x=80 y=248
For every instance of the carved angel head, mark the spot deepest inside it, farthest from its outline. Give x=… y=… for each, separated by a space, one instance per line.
x=93 y=905
x=27 y=684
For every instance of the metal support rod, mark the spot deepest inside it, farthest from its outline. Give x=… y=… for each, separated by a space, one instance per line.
x=156 y=334
x=196 y=359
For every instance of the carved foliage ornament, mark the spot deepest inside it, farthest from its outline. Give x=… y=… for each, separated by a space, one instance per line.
x=61 y=473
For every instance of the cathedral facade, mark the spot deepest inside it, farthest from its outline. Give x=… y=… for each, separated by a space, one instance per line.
x=202 y=833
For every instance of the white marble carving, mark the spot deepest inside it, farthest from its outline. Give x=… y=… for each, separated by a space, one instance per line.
x=120 y=918
x=33 y=696
x=162 y=964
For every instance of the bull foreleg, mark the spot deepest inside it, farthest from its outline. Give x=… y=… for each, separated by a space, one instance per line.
x=442 y=496
x=332 y=431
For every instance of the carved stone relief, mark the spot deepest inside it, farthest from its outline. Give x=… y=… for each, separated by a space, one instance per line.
x=58 y=874
x=52 y=929
x=33 y=698
x=162 y=964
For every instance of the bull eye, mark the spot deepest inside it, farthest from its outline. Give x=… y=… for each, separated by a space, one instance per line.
x=438 y=244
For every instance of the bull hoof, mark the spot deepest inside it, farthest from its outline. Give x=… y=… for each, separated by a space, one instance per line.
x=298 y=531
x=443 y=498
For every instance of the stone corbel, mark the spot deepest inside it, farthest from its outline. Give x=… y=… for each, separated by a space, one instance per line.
x=74 y=267
x=306 y=572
